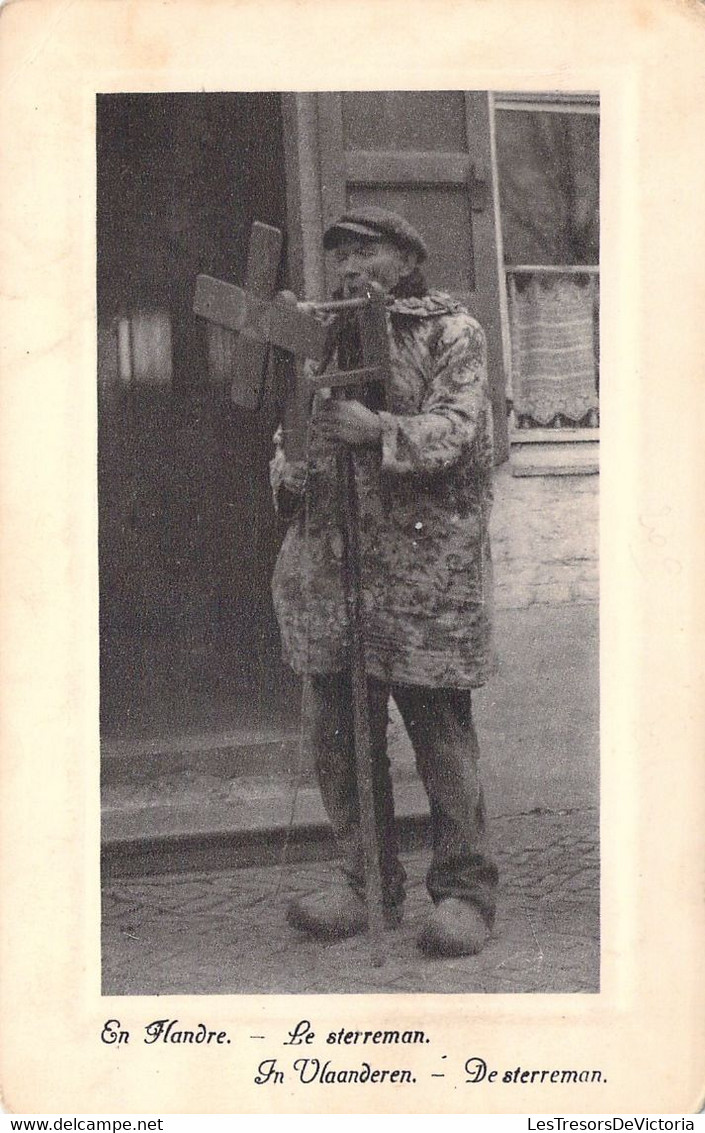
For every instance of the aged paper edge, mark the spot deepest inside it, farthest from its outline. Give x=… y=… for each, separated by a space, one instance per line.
x=647 y=61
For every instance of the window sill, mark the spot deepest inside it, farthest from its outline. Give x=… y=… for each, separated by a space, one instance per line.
x=554 y=452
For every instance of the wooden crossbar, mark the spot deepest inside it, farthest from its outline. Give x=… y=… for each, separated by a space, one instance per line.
x=279 y=322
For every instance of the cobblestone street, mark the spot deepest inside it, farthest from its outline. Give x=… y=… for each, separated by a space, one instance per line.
x=224 y=932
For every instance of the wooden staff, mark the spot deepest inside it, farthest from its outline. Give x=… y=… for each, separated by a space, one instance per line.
x=352 y=578
x=375 y=353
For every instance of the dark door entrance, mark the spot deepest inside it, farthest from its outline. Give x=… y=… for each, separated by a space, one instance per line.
x=187 y=533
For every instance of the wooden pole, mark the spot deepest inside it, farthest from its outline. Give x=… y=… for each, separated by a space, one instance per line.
x=374 y=342
x=361 y=716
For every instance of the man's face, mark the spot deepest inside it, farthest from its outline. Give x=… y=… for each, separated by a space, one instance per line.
x=362 y=260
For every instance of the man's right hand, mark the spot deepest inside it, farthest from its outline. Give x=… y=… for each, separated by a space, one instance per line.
x=293 y=475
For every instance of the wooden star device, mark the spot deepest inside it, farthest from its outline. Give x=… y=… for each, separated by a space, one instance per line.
x=262 y=319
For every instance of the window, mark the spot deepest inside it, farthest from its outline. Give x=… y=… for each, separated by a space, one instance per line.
x=547 y=166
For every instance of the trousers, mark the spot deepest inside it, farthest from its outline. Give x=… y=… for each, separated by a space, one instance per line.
x=440 y=726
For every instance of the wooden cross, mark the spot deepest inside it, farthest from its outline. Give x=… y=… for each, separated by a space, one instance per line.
x=263 y=319
x=257 y=318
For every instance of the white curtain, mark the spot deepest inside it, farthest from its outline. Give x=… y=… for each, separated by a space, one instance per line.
x=554 y=348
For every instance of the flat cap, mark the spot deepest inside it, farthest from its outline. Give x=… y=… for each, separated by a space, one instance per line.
x=376 y=222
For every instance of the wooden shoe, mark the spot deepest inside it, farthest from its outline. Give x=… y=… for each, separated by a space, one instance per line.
x=455 y=928
x=335 y=913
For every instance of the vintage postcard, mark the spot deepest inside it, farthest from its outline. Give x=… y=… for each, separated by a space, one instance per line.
x=352 y=718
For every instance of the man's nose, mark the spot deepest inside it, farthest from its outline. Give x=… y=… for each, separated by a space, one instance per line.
x=350 y=265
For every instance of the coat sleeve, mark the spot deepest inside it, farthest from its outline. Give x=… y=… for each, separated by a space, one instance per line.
x=455 y=417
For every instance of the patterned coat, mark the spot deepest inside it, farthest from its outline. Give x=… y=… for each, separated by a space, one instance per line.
x=424 y=494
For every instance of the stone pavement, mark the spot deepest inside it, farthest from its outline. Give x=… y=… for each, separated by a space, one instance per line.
x=222 y=932
x=180 y=917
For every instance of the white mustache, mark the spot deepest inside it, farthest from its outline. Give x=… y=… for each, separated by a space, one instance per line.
x=354 y=285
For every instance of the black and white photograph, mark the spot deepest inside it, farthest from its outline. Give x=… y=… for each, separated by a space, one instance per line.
x=348 y=454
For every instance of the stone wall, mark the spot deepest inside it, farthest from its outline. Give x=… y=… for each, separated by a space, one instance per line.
x=545 y=539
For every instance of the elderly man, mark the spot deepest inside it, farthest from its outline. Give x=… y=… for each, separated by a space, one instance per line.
x=424 y=477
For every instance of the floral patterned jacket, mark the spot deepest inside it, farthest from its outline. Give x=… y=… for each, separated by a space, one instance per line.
x=424 y=496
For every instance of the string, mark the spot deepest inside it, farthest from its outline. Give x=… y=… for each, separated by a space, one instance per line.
x=305 y=685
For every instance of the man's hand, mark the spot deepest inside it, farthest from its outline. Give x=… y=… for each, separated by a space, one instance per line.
x=348 y=421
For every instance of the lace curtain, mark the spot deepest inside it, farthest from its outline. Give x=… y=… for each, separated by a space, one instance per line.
x=553 y=324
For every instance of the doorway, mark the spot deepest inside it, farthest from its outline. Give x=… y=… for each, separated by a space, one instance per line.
x=187 y=535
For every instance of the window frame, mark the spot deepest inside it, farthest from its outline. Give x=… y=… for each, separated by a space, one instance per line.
x=559 y=102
